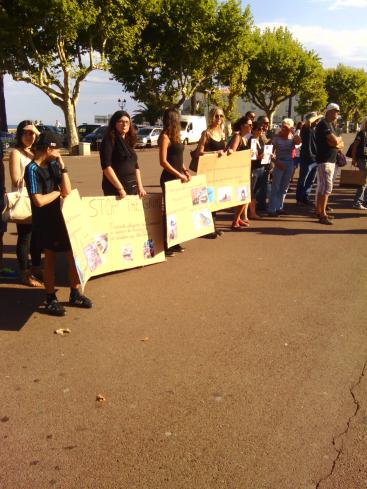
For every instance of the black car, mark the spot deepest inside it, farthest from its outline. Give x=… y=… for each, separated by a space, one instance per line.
x=85 y=129
x=60 y=131
x=95 y=137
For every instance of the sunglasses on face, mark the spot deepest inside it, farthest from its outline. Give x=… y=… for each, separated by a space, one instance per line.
x=219 y=116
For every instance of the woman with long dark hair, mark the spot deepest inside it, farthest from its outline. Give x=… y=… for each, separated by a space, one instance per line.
x=27 y=243
x=171 y=151
x=119 y=161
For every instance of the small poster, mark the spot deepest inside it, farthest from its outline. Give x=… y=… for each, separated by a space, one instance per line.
x=254 y=149
x=268 y=151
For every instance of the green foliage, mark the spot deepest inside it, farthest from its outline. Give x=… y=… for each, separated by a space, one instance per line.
x=348 y=87
x=184 y=46
x=55 y=44
x=280 y=68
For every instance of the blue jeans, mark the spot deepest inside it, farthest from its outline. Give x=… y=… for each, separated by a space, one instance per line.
x=361 y=193
x=307 y=174
x=279 y=186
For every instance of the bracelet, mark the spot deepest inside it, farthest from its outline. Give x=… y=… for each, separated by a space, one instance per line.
x=64 y=170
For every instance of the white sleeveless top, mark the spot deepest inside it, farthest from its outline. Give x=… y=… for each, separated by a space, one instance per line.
x=24 y=160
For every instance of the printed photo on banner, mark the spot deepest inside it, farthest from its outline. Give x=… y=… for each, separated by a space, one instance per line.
x=199 y=195
x=172 y=232
x=202 y=219
x=243 y=192
x=225 y=194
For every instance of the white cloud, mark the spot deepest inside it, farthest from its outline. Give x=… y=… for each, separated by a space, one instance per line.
x=346 y=46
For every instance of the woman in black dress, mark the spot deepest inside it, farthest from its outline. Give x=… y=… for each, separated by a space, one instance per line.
x=119 y=162
x=213 y=140
x=171 y=160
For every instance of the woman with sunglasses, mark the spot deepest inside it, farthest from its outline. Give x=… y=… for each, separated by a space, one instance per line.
x=283 y=144
x=239 y=142
x=213 y=140
x=27 y=242
x=119 y=162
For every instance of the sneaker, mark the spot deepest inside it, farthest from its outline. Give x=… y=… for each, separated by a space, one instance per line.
x=79 y=300
x=169 y=253
x=7 y=272
x=328 y=208
x=54 y=308
x=329 y=216
x=359 y=206
x=178 y=249
x=325 y=220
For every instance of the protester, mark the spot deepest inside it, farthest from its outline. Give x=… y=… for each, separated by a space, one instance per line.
x=47 y=183
x=297 y=148
x=284 y=142
x=259 y=176
x=327 y=146
x=27 y=241
x=250 y=114
x=359 y=159
x=171 y=151
x=264 y=188
x=239 y=142
x=307 y=167
x=213 y=140
x=119 y=162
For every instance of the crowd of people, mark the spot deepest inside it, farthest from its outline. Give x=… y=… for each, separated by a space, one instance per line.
x=36 y=163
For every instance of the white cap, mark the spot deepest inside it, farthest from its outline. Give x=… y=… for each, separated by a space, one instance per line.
x=332 y=106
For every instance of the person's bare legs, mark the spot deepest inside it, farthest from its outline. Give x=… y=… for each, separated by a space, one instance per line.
x=49 y=271
x=321 y=203
x=252 y=210
x=73 y=274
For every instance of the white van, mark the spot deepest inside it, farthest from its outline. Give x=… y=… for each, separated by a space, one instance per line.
x=191 y=128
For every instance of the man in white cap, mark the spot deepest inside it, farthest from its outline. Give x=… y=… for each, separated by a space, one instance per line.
x=327 y=146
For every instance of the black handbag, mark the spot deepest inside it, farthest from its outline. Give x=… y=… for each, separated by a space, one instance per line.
x=340 y=159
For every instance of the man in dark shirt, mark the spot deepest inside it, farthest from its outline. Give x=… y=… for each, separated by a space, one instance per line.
x=327 y=146
x=307 y=168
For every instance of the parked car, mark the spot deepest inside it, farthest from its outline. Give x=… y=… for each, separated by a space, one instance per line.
x=85 y=129
x=148 y=136
x=60 y=131
x=95 y=137
x=191 y=128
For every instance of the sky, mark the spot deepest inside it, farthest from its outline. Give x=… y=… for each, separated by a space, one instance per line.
x=335 y=29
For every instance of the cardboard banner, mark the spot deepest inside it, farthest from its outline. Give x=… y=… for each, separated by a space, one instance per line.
x=109 y=234
x=228 y=178
x=188 y=213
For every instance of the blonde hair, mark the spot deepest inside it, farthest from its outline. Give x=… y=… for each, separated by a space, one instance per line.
x=288 y=122
x=212 y=113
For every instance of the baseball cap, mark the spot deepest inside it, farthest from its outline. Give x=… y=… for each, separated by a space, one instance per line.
x=332 y=106
x=48 y=139
x=32 y=128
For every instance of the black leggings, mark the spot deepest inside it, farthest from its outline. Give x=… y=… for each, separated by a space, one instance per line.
x=27 y=243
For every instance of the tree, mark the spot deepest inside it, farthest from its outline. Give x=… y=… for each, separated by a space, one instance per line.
x=55 y=44
x=313 y=96
x=185 y=46
x=348 y=87
x=280 y=68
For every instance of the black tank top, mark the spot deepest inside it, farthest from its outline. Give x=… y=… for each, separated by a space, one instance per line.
x=175 y=159
x=213 y=145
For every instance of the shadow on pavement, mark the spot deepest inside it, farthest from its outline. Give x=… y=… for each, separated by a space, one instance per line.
x=17 y=305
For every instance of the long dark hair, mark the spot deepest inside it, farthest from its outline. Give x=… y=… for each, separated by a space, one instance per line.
x=171 y=125
x=240 y=122
x=130 y=137
x=19 y=133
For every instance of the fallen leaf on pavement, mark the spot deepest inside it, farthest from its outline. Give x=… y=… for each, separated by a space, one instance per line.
x=100 y=398
x=146 y=338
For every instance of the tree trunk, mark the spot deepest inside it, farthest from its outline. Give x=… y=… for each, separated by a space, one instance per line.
x=3 y=121
x=71 y=130
x=193 y=104
x=270 y=116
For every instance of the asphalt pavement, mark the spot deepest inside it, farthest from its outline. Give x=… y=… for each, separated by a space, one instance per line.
x=238 y=364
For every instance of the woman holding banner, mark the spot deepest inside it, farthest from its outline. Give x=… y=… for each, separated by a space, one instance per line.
x=171 y=160
x=240 y=142
x=213 y=140
x=119 y=162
